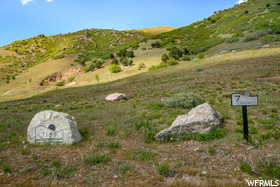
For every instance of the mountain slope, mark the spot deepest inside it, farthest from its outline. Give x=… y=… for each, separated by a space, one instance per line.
x=95 y=42
x=249 y=25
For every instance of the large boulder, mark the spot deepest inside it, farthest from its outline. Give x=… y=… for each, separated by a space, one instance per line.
x=50 y=127
x=115 y=97
x=200 y=119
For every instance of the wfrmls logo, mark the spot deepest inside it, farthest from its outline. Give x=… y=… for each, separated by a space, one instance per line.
x=265 y=183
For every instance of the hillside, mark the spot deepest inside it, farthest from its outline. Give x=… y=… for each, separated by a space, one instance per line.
x=95 y=43
x=118 y=147
x=45 y=63
x=234 y=51
x=254 y=24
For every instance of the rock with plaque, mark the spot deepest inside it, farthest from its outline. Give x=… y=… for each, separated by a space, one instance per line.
x=51 y=127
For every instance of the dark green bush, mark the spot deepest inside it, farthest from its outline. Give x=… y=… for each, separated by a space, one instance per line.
x=156 y=45
x=130 y=54
x=115 y=61
x=175 y=53
x=125 y=61
x=122 y=53
x=164 y=58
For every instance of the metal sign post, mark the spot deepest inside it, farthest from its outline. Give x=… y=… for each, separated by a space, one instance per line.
x=244 y=100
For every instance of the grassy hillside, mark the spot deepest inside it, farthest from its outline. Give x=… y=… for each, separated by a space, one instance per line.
x=249 y=25
x=94 y=43
x=118 y=147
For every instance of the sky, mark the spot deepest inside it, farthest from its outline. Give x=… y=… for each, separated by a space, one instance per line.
x=20 y=19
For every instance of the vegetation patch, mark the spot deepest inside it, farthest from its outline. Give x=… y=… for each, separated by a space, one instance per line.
x=97 y=159
x=184 y=100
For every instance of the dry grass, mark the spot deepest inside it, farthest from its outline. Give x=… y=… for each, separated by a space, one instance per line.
x=155 y=30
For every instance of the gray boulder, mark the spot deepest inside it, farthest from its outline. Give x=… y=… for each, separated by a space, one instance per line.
x=200 y=119
x=50 y=127
x=115 y=97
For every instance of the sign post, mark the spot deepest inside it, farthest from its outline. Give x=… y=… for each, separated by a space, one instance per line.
x=244 y=100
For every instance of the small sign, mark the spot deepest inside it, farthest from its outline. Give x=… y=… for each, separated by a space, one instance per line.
x=243 y=100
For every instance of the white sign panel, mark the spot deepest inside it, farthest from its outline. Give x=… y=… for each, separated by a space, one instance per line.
x=243 y=100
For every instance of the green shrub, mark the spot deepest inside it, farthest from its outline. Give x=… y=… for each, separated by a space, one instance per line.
x=246 y=168
x=130 y=54
x=269 y=167
x=60 y=83
x=156 y=45
x=186 y=58
x=213 y=134
x=84 y=133
x=164 y=58
x=276 y=28
x=172 y=62
x=6 y=168
x=71 y=79
x=122 y=53
x=58 y=57
x=97 y=159
x=161 y=65
x=124 y=61
x=184 y=100
x=111 y=131
x=115 y=61
x=114 y=68
x=163 y=169
x=200 y=55
x=114 y=145
x=141 y=66
x=175 y=53
x=87 y=69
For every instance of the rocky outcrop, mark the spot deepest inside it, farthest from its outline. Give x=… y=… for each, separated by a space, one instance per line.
x=51 y=79
x=200 y=119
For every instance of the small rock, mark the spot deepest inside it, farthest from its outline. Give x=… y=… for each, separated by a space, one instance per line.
x=115 y=97
x=204 y=172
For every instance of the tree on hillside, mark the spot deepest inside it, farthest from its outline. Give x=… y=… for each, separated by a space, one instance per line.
x=130 y=54
x=175 y=53
x=156 y=45
x=122 y=53
x=164 y=58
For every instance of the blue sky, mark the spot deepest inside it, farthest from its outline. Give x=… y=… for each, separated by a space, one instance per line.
x=22 y=19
